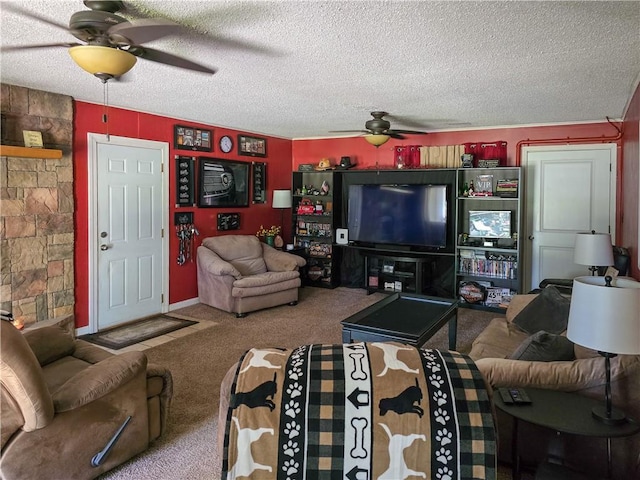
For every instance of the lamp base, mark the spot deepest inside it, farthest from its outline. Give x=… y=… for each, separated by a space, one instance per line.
x=617 y=417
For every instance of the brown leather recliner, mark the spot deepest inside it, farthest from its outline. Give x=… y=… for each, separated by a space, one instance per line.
x=65 y=400
x=240 y=274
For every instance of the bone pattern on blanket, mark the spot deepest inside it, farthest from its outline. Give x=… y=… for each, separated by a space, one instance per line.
x=341 y=410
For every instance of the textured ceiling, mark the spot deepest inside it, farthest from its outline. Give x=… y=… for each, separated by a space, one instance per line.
x=324 y=65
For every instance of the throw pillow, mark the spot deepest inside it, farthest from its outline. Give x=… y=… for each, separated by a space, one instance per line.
x=544 y=347
x=549 y=311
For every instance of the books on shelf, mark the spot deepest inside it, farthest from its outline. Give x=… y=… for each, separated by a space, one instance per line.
x=497 y=266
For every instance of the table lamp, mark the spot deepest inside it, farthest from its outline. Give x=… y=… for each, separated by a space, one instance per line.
x=605 y=316
x=593 y=249
x=281 y=200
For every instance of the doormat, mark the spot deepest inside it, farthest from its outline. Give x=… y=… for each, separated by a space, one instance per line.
x=136 y=332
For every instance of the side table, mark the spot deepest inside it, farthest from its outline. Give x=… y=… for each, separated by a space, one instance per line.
x=563 y=412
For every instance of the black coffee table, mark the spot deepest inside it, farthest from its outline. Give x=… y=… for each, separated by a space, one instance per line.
x=403 y=317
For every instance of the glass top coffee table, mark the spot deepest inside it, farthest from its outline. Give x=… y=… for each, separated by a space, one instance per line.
x=403 y=317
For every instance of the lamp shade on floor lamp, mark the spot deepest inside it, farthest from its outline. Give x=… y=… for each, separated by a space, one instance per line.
x=281 y=200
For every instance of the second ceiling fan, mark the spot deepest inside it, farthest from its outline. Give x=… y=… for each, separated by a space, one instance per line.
x=378 y=130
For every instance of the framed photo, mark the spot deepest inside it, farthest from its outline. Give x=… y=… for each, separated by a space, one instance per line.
x=223 y=183
x=252 y=146
x=189 y=138
x=259 y=171
x=185 y=181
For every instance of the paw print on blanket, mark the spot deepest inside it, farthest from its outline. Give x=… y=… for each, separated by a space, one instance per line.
x=440 y=397
x=290 y=467
x=442 y=416
x=443 y=455
x=290 y=448
x=444 y=437
x=436 y=381
x=292 y=408
x=444 y=473
x=294 y=390
x=291 y=429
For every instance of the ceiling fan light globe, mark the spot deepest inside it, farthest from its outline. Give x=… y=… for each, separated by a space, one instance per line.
x=97 y=59
x=377 y=139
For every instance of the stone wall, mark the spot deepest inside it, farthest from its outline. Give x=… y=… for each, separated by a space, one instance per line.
x=36 y=215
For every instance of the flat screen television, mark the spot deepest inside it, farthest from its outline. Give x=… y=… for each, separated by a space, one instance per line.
x=490 y=223
x=410 y=215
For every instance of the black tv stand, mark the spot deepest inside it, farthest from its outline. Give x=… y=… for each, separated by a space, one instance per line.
x=408 y=271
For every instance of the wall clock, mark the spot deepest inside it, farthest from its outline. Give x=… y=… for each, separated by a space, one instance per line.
x=226 y=144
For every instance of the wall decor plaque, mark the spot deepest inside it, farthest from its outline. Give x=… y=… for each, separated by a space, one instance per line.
x=185 y=181
x=252 y=146
x=259 y=171
x=228 y=221
x=190 y=138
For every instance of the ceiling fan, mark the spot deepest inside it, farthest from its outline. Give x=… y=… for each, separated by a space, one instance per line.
x=112 y=43
x=378 y=130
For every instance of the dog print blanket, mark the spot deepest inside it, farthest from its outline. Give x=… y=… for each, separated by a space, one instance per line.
x=359 y=411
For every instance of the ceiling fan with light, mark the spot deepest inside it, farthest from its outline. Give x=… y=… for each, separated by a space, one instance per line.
x=112 y=43
x=378 y=130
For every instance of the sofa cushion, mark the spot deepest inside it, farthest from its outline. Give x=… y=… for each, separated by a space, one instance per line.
x=549 y=311
x=244 y=252
x=50 y=343
x=544 y=347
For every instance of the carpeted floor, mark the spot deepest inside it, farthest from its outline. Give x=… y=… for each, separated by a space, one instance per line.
x=199 y=361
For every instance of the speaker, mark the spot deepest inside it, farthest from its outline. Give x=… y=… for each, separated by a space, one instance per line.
x=342 y=236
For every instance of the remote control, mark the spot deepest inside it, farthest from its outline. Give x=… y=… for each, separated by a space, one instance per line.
x=519 y=395
x=505 y=395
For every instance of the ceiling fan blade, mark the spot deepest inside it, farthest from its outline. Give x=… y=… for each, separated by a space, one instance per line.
x=144 y=30
x=21 y=11
x=408 y=132
x=349 y=131
x=169 y=59
x=41 y=45
x=394 y=134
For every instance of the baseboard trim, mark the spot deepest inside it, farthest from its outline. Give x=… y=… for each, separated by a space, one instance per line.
x=184 y=303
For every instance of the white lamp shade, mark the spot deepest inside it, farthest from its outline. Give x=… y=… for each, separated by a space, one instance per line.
x=604 y=318
x=281 y=199
x=593 y=249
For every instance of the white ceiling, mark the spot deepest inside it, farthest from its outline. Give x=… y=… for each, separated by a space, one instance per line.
x=326 y=64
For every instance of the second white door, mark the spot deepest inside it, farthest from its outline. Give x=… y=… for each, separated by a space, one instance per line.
x=569 y=189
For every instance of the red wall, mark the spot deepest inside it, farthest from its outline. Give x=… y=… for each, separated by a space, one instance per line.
x=285 y=155
x=126 y=123
x=630 y=181
x=366 y=156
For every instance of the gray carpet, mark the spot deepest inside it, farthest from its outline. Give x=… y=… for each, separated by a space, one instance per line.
x=199 y=361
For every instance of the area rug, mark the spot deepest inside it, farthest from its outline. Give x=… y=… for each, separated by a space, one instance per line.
x=136 y=332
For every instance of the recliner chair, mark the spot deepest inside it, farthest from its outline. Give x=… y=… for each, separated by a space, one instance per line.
x=241 y=274
x=71 y=409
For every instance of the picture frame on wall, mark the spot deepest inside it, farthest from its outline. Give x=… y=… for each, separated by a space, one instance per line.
x=191 y=138
x=259 y=173
x=185 y=181
x=223 y=183
x=252 y=146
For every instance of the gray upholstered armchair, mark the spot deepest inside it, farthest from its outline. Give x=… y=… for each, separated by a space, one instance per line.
x=240 y=274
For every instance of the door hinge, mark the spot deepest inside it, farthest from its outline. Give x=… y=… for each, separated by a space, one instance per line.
x=162 y=233
x=162 y=168
x=162 y=298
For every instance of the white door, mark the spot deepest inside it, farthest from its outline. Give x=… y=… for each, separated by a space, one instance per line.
x=569 y=189
x=128 y=238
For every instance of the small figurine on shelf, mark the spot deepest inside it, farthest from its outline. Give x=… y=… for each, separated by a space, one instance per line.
x=471 y=190
x=465 y=190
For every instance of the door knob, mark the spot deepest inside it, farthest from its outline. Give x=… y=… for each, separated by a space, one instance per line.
x=104 y=247
x=531 y=237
